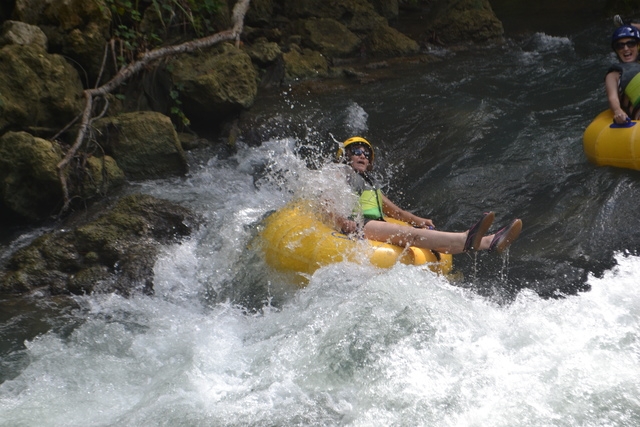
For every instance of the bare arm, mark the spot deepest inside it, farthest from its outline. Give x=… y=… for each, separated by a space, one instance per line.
x=611 y=85
x=344 y=224
x=390 y=209
x=340 y=222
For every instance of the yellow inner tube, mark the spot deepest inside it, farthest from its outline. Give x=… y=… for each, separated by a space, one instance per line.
x=607 y=146
x=294 y=239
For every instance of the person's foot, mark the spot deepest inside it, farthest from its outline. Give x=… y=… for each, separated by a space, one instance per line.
x=618 y=21
x=477 y=232
x=503 y=238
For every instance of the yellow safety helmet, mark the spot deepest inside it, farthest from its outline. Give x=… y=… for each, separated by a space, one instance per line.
x=358 y=140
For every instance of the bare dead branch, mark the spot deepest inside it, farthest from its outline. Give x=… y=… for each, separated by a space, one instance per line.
x=239 y=11
x=104 y=63
x=64 y=129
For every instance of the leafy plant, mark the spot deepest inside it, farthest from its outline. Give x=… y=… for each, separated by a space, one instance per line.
x=144 y=24
x=176 y=109
x=141 y=25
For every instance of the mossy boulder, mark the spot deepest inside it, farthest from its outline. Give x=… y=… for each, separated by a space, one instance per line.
x=29 y=185
x=37 y=89
x=113 y=253
x=144 y=144
x=214 y=84
x=329 y=37
x=264 y=52
x=302 y=64
x=78 y=29
x=457 y=21
x=342 y=29
x=386 y=41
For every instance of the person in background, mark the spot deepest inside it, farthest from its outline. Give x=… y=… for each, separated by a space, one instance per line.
x=622 y=81
x=369 y=222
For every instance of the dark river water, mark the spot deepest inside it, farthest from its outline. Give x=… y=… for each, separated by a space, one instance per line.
x=548 y=335
x=490 y=129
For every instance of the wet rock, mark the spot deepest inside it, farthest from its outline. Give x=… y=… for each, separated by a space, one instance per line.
x=114 y=253
x=191 y=141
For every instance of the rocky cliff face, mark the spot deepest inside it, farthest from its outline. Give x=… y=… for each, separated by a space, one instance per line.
x=50 y=51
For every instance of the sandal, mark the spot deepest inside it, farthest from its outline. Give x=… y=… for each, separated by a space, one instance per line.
x=477 y=232
x=503 y=238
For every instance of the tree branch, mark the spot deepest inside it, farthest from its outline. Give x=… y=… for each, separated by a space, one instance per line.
x=239 y=11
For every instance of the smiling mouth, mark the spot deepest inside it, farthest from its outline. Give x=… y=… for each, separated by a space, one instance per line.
x=627 y=55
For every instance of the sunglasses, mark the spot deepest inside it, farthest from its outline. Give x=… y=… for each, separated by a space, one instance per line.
x=360 y=151
x=630 y=44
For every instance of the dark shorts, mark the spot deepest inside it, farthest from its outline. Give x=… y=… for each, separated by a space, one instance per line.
x=367 y=220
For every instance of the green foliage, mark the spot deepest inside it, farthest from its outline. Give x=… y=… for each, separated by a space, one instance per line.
x=176 y=109
x=141 y=25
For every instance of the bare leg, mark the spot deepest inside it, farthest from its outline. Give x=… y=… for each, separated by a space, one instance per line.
x=400 y=235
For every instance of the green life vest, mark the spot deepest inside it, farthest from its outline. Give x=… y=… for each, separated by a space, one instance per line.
x=370 y=197
x=371 y=204
x=630 y=81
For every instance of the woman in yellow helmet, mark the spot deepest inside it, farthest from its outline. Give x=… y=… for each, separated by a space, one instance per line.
x=358 y=153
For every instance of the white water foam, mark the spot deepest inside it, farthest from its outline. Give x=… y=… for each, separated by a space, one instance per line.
x=356 y=120
x=358 y=346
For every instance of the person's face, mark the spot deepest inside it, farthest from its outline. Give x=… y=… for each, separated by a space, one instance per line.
x=627 y=49
x=359 y=157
